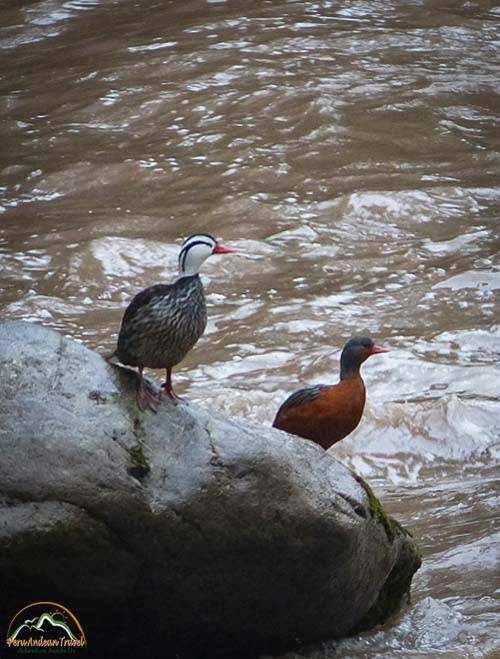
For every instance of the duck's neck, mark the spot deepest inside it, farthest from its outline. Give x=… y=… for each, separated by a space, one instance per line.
x=349 y=368
x=188 y=265
x=183 y=274
x=190 y=261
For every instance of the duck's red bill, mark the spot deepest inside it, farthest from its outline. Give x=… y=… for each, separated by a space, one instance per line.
x=223 y=250
x=377 y=349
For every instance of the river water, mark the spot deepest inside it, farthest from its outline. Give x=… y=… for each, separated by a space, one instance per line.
x=350 y=152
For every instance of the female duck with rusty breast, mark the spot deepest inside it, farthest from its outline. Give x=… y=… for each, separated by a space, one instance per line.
x=163 y=322
x=328 y=413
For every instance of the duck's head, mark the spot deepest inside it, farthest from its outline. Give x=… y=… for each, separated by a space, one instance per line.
x=355 y=352
x=195 y=250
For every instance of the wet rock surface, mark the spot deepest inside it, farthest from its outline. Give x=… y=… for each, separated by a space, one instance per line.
x=182 y=532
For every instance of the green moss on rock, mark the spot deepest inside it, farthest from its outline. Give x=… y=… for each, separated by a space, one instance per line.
x=397 y=584
x=140 y=467
x=378 y=513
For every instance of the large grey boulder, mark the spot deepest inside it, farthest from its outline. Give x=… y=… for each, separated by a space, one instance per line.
x=182 y=533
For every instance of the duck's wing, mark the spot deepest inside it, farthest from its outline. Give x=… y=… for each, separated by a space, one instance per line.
x=301 y=397
x=144 y=299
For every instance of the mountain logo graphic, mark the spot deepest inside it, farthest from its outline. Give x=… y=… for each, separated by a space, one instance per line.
x=45 y=625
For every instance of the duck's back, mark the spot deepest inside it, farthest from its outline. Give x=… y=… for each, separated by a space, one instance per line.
x=162 y=323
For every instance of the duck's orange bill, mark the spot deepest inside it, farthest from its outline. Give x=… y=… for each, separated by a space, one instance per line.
x=376 y=350
x=223 y=250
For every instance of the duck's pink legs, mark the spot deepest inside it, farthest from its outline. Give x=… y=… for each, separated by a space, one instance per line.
x=147 y=398
x=167 y=388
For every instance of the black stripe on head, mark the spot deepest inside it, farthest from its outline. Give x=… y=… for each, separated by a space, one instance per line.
x=200 y=235
x=187 y=246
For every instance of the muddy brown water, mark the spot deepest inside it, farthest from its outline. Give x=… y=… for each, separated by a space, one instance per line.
x=350 y=152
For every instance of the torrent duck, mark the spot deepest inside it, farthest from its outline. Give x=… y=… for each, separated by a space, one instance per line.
x=163 y=322
x=328 y=413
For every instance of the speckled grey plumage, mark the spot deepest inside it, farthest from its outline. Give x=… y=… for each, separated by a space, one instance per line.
x=162 y=324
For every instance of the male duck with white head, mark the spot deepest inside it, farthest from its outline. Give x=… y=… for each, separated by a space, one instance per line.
x=163 y=322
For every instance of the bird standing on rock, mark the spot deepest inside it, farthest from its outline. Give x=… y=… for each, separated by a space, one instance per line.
x=328 y=413
x=163 y=322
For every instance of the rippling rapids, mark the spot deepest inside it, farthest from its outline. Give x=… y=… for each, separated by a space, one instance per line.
x=350 y=152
